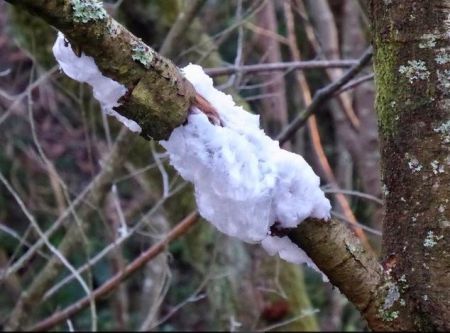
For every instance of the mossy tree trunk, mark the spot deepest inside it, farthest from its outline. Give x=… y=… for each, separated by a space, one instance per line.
x=412 y=63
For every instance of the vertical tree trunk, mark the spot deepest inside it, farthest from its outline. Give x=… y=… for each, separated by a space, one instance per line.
x=274 y=107
x=412 y=62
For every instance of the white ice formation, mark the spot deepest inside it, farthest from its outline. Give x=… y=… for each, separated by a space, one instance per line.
x=84 y=69
x=244 y=182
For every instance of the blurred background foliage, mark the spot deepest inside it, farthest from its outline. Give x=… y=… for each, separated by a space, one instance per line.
x=55 y=141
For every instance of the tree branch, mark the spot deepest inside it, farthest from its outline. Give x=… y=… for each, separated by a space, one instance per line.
x=277 y=66
x=158 y=95
x=358 y=275
x=323 y=95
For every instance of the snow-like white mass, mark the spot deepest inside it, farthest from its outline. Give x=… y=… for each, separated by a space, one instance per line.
x=84 y=69
x=244 y=182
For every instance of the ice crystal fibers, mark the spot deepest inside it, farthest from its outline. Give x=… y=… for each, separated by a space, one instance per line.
x=84 y=69
x=244 y=182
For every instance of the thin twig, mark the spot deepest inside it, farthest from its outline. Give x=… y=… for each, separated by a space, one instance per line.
x=184 y=19
x=354 y=193
x=53 y=249
x=323 y=95
x=122 y=238
x=354 y=224
x=354 y=83
x=277 y=66
x=117 y=279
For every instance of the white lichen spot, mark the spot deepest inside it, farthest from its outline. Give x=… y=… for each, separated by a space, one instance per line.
x=385 y=190
x=437 y=167
x=402 y=199
x=114 y=28
x=444 y=79
x=392 y=296
x=413 y=163
x=388 y=315
x=443 y=57
x=415 y=70
x=402 y=302
x=444 y=224
x=444 y=129
x=393 y=104
x=425 y=297
x=143 y=54
x=402 y=279
x=428 y=41
x=431 y=239
x=85 y=11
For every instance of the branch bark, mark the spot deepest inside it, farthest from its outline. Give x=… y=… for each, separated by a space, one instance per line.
x=358 y=275
x=158 y=95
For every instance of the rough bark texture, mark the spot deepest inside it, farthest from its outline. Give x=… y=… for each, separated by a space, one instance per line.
x=412 y=62
x=357 y=274
x=158 y=97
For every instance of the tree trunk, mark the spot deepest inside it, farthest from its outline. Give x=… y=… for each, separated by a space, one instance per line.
x=412 y=62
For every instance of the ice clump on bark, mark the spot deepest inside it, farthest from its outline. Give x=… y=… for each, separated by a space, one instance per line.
x=244 y=182
x=84 y=69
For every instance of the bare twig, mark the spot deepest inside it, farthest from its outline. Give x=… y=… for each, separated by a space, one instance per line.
x=183 y=21
x=356 y=82
x=323 y=95
x=120 y=240
x=117 y=279
x=53 y=249
x=291 y=65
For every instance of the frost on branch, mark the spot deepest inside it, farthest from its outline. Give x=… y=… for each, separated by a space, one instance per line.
x=84 y=69
x=244 y=182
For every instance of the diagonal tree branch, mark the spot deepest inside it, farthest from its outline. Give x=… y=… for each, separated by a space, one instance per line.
x=341 y=257
x=323 y=95
x=158 y=95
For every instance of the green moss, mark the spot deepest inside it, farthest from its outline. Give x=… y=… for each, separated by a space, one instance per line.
x=386 y=71
x=85 y=11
